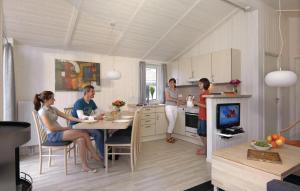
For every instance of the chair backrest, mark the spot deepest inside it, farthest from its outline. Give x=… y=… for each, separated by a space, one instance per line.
x=67 y=111
x=42 y=135
x=135 y=126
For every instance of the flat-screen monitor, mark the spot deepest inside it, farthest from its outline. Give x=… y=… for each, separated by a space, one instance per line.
x=228 y=115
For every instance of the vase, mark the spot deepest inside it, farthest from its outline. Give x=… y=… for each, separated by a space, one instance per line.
x=235 y=89
x=117 y=109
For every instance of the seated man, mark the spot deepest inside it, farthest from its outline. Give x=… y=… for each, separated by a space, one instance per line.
x=83 y=109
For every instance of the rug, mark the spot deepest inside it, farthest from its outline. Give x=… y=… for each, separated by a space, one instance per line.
x=206 y=186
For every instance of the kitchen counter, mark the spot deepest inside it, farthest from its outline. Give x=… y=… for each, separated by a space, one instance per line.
x=226 y=96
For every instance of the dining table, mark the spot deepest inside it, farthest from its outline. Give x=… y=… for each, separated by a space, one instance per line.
x=111 y=121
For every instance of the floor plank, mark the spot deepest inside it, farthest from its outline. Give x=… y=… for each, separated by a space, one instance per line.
x=161 y=166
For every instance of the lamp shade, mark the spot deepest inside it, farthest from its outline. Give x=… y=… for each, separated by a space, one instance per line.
x=281 y=78
x=113 y=75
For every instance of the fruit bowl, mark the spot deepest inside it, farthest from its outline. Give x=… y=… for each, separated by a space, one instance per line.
x=261 y=145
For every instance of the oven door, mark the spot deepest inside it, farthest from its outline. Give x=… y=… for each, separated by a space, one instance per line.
x=191 y=122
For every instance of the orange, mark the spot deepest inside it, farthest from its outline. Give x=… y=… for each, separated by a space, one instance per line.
x=275 y=137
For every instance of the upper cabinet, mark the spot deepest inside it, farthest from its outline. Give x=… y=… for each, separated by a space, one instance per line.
x=225 y=65
x=201 y=66
x=219 y=67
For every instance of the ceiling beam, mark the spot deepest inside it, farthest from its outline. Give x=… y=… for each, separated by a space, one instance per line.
x=171 y=29
x=130 y=21
x=73 y=22
x=205 y=34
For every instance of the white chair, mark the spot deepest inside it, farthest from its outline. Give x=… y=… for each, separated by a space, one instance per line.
x=122 y=142
x=43 y=143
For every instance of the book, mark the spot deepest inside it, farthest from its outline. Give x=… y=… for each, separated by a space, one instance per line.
x=264 y=156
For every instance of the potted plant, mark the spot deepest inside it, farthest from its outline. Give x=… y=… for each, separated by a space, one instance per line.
x=117 y=104
x=235 y=84
x=152 y=90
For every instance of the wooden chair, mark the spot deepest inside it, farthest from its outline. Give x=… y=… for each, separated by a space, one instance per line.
x=67 y=111
x=122 y=142
x=288 y=141
x=43 y=143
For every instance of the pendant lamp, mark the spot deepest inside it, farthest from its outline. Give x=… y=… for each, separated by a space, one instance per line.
x=280 y=78
x=113 y=74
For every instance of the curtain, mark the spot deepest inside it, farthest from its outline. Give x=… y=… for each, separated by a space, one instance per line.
x=142 y=80
x=163 y=83
x=9 y=94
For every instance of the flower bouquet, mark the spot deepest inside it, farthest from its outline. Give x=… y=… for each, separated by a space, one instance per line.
x=118 y=104
x=235 y=84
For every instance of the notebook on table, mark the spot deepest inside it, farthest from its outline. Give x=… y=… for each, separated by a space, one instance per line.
x=265 y=156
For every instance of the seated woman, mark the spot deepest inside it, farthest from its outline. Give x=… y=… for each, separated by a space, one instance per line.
x=56 y=133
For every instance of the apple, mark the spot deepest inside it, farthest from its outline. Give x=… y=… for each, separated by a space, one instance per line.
x=275 y=137
x=279 y=142
x=269 y=138
x=274 y=145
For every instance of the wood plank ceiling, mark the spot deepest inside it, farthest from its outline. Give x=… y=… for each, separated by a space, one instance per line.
x=145 y=29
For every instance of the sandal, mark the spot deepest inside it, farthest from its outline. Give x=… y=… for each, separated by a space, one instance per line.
x=89 y=170
x=170 y=140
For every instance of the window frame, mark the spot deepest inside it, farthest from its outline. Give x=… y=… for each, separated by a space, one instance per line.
x=156 y=67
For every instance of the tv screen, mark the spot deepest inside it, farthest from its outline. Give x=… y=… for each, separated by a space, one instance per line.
x=228 y=115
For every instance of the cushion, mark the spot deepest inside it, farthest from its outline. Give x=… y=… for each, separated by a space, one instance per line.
x=118 y=140
x=277 y=185
x=62 y=143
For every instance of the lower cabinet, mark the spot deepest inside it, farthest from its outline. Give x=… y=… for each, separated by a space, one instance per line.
x=180 y=122
x=153 y=122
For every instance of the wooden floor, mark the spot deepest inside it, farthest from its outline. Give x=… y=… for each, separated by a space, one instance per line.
x=161 y=166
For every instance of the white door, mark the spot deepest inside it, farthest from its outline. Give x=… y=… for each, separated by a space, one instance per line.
x=180 y=122
x=270 y=100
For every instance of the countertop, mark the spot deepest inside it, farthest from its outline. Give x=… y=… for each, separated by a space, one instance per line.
x=227 y=96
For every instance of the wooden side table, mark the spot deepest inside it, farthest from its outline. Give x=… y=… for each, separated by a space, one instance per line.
x=232 y=171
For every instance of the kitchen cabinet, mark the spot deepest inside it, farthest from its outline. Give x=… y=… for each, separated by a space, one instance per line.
x=201 y=66
x=172 y=70
x=219 y=67
x=185 y=70
x=180 y=122
x=161 y=123
x=225 y=65
x=153 y=121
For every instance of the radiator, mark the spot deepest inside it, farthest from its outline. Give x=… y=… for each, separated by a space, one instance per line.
x=25 y=109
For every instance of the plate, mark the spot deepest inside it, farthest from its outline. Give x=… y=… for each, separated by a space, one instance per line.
x=89 y=121
x=260 y=148
x=127 y=117
x=121 y=120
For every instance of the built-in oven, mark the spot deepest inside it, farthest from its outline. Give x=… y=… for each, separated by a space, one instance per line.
x=191 y=120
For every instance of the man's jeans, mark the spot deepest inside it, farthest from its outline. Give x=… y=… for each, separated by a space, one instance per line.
x=98 y=136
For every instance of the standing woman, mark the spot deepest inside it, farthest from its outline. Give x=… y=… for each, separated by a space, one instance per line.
x=56 y=133
x=171 y=96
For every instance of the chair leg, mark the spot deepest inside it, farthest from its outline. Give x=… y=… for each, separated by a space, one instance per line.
x=65 y=155
x=50 y=153
x=106 y=158
x=40 y=150
x=131 y=159
x=113 y=157
x=74 y=149
x=135 y=154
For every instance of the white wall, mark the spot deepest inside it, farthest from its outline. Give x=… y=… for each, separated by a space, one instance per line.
x=239 y=32
x=294 y=61
x=35 y=72
x=1 y=59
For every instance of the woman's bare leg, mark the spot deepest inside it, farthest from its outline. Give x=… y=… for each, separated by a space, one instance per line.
x=70 y=135
x=82 y=153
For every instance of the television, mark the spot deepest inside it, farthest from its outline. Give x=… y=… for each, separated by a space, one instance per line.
x=228 y=115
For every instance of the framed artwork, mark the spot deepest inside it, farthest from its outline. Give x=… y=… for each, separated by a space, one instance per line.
x=74 y=75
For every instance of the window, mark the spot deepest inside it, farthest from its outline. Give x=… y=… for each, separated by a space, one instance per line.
x=151 y=82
